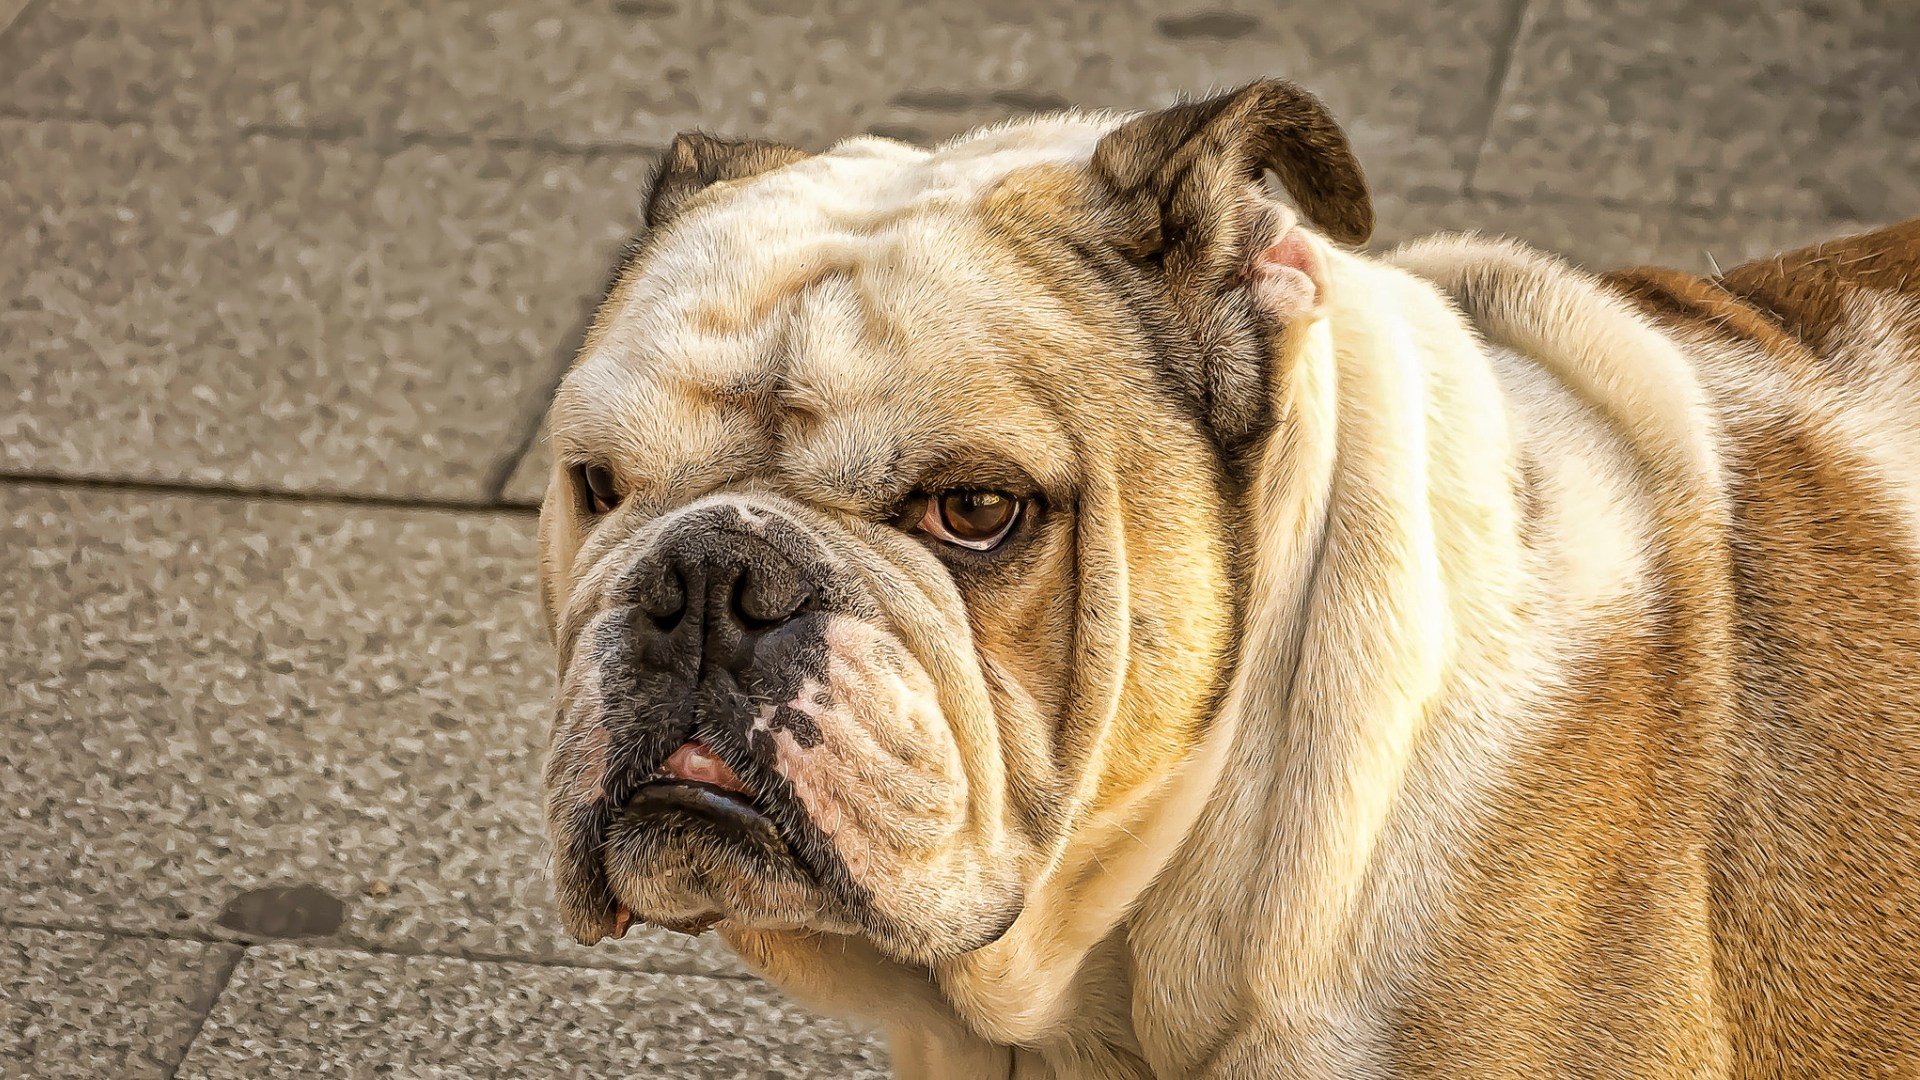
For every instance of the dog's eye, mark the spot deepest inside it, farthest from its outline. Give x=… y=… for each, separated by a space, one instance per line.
x=597 y=488
x=979 y=520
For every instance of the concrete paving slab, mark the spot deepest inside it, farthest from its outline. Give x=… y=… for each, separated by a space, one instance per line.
x=87 y=1006
x=1412 y=81
x=811 y=71
x=266 y=313
x=301 y=63
x=1807 y=109
x=296 y=1012
x=247 y=720
x=496 y=257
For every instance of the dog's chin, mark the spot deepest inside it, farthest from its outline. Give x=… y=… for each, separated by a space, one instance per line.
x=688 y=856
x=685 y=856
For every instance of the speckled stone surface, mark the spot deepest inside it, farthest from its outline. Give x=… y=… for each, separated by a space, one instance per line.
x=1803 y=108
x=269 y=313
x=291 y=62
x=1603 y=237
x=210 y=696
x=87 y=1006
x=294 y=1012
x=1411 y=79
x=811 y=71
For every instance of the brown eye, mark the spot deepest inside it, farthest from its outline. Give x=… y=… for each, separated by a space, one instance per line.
x=597 y=488
x=979 y=520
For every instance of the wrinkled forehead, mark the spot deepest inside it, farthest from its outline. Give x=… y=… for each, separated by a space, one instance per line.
x=844 y=316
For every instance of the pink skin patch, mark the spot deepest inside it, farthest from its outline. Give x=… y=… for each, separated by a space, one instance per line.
x=696 y=761
x=1286 y=277
x=882 y=779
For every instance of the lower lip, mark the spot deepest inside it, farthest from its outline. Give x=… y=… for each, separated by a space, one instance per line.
x=728 y=811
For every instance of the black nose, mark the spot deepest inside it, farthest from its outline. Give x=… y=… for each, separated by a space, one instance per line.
x=712 y=595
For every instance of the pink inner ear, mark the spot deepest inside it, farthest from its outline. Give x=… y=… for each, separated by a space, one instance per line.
x=1285 y=278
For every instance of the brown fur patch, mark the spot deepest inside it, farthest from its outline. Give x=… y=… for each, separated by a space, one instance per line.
x=1817 y=850
x=1677 y=297
x=1805 y=290
x=1815 y=871
x=697 y=161
x=1580 y=947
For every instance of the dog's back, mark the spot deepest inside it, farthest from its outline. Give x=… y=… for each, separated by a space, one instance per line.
x=1708 y=861
x=1813 y=359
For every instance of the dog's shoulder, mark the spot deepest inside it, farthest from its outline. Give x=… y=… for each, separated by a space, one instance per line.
x=1813 y=361
x=1809 y=292
x=1821 y=304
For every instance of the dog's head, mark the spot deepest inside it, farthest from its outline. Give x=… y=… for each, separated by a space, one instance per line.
x=892 y=537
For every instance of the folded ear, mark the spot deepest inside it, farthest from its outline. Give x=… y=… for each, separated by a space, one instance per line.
x=1182 y=173
x=697 y=161
x=1185 y=199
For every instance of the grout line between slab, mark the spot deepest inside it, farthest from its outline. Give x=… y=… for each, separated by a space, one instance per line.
x=529 y=427
x=73 y=116
x=388 y=142
x=345 y=131
x=220 y=985
x=374 y=139
x=365 y=948
x=259 y=494
x=538 y=143
x=1500 y=71
x=19 y=17
x=563 y=357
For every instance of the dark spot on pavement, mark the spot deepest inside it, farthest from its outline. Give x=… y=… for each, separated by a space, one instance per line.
x=1841 y=205
x=284 y=911
x=1030 y=100
x=955 y=101
x=934 y=100
x=1207 y=25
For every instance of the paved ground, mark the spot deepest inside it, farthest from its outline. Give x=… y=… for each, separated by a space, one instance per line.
x=284 y=285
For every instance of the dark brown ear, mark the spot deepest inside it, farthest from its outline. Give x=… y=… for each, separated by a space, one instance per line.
x=1185 y=200
x=697 y=161
x=1183 y=171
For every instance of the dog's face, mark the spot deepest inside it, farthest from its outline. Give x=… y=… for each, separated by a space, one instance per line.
x=887 y=544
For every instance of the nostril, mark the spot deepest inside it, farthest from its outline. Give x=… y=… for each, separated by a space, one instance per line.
x=666 y=602
x=762 y=605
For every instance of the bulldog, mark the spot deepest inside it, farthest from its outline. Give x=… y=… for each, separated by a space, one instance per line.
x=1054 y=598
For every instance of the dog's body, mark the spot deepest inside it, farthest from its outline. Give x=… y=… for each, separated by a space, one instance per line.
x=1449 y=664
